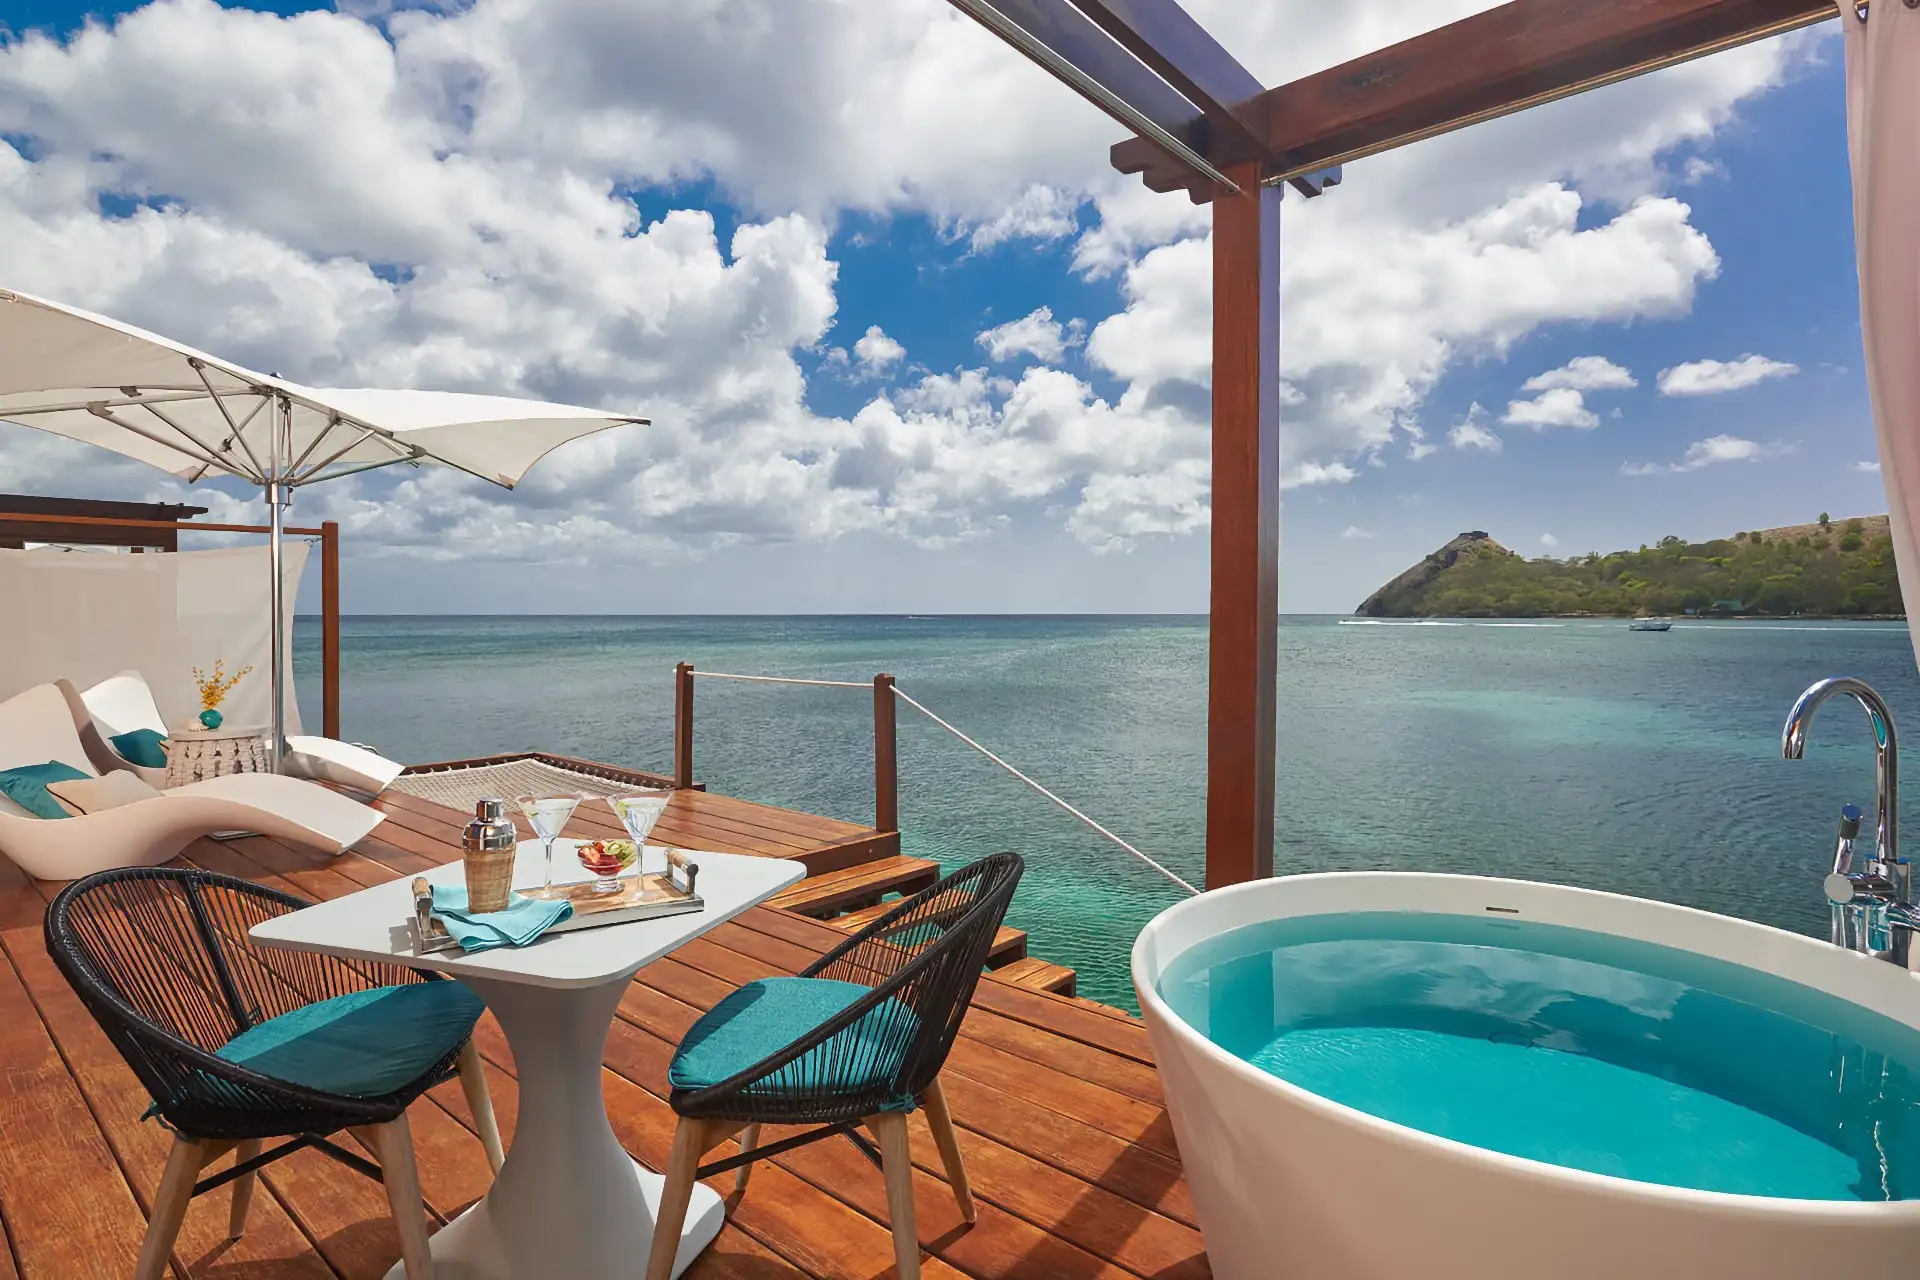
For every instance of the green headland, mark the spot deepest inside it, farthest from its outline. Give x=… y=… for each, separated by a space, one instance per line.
x=1830 y=568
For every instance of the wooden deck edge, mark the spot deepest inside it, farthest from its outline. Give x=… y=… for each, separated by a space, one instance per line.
x=851 y=853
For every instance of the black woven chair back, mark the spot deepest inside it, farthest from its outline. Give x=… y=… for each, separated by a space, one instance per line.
x=923 y=960
x=161 y=958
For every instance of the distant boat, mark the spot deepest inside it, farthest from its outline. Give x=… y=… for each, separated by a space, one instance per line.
x=1651 y=624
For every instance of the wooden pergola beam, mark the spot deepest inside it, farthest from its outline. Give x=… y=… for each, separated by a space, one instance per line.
x=1509 y=58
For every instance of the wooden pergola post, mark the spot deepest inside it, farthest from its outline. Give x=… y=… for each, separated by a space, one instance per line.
x=1245 y=613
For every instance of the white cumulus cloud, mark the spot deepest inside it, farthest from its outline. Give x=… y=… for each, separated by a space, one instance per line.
x=1561 y=407
x=1354 y=533
x=1470 y=434
x=1706 y=453
x=876 y=352
x=1872 y=467
x=1548 y=541
x=1584 y=373
x=441 y=197
x=1036 y=334
x=1714 y=377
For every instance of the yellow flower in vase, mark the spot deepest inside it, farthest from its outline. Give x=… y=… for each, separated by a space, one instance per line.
x=214 y=688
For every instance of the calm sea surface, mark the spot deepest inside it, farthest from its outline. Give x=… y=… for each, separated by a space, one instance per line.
x=1582 y=753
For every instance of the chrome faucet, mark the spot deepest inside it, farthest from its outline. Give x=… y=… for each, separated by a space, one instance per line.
x=1880 y=898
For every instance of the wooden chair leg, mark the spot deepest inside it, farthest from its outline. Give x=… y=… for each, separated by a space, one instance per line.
x=897 y=1159
x=473 y=1083
x=749 y=1139
x=393 y=1142
x=242 y=1189
x=689 y=1144
x=940 y=1120
x=184 y=1163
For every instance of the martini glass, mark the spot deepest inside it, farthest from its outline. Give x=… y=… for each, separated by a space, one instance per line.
x=638 y=813
x=548 y=816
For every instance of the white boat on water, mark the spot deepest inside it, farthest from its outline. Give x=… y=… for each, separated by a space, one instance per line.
x=1651 y=624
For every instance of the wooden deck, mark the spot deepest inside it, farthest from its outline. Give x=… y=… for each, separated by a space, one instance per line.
x=1066 y=1140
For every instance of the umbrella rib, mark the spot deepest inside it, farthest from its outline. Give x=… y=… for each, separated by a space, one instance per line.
x=314 y=476
x=102 y=411
x=239 y=429
x=205 y=448
x=170 y=396
x=300 y=477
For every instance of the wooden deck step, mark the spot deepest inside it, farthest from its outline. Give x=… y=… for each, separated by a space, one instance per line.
x=1036 y=974
x=1009 y=944
x=857 y=886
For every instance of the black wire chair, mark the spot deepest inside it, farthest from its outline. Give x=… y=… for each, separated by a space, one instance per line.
x=869 y=1064
x=161 y=958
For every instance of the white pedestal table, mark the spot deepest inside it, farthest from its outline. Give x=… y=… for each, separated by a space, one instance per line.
x=568 y=1201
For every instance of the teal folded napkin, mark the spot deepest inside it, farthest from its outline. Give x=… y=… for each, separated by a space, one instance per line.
x=524 y=920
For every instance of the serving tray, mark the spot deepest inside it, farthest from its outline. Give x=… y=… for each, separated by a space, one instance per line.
x=641 y=897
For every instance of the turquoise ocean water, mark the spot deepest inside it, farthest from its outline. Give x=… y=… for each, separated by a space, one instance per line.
x=1579 y=752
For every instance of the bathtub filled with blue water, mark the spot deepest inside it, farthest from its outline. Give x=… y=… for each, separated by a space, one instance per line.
x=1570 y=1047
x=1384 y=1075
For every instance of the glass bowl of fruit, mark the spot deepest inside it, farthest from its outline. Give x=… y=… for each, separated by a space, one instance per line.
x=607 y=859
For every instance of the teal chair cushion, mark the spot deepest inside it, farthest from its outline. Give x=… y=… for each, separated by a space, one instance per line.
x=767 y=1015
x=365 y=1044
x=144 y=747
x=26 y=786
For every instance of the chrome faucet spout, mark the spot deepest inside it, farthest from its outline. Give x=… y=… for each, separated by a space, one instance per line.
x=1889 y=878
x=1886 y=759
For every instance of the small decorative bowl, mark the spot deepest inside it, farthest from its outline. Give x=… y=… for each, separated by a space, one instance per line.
x=607 y=859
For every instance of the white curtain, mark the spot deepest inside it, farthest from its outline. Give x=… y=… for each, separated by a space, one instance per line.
x=1883 y=135
x=86 y=615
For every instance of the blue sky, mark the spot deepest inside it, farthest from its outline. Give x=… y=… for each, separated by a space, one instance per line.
x=453 y=219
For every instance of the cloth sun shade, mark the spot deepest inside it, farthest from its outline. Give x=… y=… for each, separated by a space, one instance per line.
x=93 y=379
x=1883 y=135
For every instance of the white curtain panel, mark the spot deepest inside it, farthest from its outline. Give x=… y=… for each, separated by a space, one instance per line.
x=224 y=613
x=87 y=615
x=1883 y=135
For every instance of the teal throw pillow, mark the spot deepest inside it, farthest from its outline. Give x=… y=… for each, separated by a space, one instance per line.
x=26 y=786
x=144 y=747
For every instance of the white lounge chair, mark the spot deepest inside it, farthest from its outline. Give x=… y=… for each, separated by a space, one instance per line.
x=123 y=703
x=50 y=723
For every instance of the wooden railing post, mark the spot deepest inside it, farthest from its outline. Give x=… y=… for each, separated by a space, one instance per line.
x=683 y=725
x=330 y=628
x=886 y=758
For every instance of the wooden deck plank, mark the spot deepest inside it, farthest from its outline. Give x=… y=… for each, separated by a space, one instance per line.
x=1036 y=974
x=1069 y=1151
x=74 y=1213
x=118 y=1100
x=1009 y=1179
x=858 y=885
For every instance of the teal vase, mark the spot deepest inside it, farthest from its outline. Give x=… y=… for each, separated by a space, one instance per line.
x=211 y=718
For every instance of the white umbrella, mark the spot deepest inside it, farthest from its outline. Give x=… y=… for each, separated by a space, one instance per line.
x=93 y=379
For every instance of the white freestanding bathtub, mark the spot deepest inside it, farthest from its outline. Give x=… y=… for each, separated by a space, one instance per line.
x=1292 y=1186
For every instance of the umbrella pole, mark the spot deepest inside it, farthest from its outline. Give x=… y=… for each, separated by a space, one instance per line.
x=276 y=518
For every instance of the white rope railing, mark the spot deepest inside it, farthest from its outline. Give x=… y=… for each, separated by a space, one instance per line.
x=924 y=710
x=951 y=728
x=827 y=684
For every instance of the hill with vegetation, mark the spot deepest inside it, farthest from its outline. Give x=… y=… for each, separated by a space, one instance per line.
x=1838 y=568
